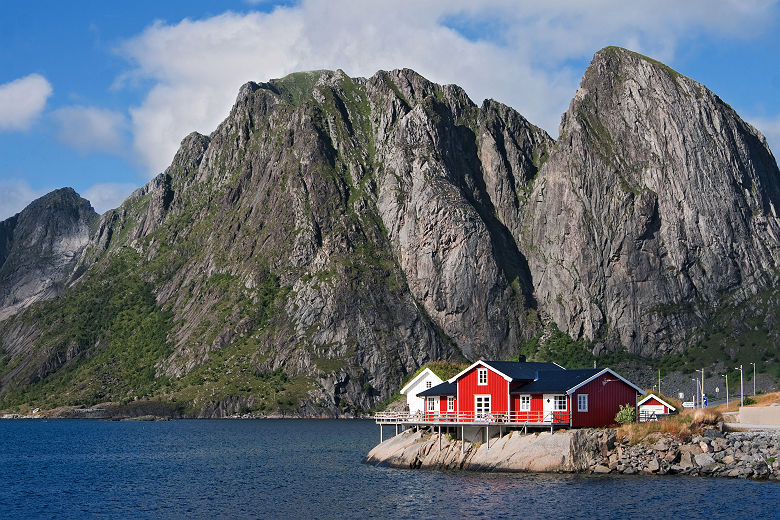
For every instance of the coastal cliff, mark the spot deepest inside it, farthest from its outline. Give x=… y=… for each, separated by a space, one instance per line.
x=734 y=454
x=334 y=234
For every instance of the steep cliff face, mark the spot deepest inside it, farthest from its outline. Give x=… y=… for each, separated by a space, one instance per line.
x=40 y=246
x=343 y=230
x=658 y=205
x=333 y=234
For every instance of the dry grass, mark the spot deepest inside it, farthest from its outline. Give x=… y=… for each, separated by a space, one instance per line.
x=760 y=400
x=766 y=399
x=680 y=426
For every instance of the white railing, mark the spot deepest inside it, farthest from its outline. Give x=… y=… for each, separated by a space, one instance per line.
x=536 y=417
x=651 y=416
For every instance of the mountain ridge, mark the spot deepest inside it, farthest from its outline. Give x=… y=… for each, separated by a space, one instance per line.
x=334 y=234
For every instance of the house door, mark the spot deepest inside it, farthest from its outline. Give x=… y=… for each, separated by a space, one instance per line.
x=555 y=408
x=481 y=406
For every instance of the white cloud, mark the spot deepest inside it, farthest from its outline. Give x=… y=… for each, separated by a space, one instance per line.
x=109 y=195
x=196 y=67
x=22 y=101
x=15 y=195
x=90 y=129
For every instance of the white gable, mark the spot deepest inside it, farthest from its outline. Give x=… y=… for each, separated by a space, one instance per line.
x=422 y=381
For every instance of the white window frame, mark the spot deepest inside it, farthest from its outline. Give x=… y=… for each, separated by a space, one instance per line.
x=450 y=403
x=582 y=402
x=557 y=399
x=431 y=404
x=485 y=398
x=525 y=403
x=482 y=375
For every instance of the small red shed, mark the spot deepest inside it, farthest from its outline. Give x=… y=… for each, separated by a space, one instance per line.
x=652 y=407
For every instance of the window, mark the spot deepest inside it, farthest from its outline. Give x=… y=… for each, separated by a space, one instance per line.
x=559 y=403
x=525 y=403
x=451 y=403
x=431 y=404
x=428 y=384
x=582 y=402
x=482 y=376
x=481 y=405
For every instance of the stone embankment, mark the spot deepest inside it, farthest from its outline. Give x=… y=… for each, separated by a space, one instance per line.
x=753 y=455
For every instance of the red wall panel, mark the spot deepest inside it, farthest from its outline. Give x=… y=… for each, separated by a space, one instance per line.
x=656 y=402
x=497 y=388
x=605 y=395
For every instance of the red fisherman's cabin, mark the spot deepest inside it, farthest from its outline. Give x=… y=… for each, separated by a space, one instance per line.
x=524 y=394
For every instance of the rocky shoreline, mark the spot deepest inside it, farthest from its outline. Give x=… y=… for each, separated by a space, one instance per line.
x=754 y=455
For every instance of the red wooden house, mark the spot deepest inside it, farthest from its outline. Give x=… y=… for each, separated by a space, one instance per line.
x=529 y=394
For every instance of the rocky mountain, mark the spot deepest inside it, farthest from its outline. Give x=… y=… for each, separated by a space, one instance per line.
x=333 y=234
x=658 y=206
x=40 y=246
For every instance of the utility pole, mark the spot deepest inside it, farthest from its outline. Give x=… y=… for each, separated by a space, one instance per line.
x=701 y=395
x=754 y=379
x=659 y=380
x=726 y=375
x=696 y=380
x=741 y=390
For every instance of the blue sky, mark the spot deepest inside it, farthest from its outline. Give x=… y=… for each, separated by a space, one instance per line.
x=97 y=95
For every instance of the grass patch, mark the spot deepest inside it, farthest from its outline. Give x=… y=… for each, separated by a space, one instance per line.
x=681 y=426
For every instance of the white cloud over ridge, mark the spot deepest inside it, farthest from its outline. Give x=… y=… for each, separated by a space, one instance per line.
x=15 y=195
x=770 y=127
x=197 y=66
x=90 y=129
x=108 y=195
x=22 y=101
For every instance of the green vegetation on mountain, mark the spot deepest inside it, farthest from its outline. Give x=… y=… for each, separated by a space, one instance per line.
x=334 y=235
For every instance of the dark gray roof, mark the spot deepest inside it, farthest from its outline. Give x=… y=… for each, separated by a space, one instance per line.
x=556 y=381
x=523 y=369
x=444 y=388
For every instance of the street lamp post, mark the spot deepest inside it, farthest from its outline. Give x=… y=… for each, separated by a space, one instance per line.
x=727 y=390
x=754 y=379
x=741 y=390
x=701 y=395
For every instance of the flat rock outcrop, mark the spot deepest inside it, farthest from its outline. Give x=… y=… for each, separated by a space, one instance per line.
x=736 y=454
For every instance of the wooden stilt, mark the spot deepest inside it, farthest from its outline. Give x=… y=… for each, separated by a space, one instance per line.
x=439 y=437
x=487 y=434
x=381 y=438
x=462 y=439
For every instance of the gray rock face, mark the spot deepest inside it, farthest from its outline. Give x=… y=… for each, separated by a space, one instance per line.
x=348 y=230
x=40 y=247
x=451 y=171
x=657 y=205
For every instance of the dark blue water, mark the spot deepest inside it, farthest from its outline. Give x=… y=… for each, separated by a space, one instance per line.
x=308 y=469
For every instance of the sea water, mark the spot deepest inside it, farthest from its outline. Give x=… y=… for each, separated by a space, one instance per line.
x=196 y=469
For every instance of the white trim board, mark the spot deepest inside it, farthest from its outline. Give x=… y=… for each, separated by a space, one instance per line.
x=653 y=396
x=601 y=373
x=480 y=363
x=416 y=378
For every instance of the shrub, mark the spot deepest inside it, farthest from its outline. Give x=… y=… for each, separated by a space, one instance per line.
x=748 y=401
x=626 y=414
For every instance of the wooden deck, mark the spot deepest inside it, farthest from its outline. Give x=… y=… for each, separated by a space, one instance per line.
x=518 y=419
